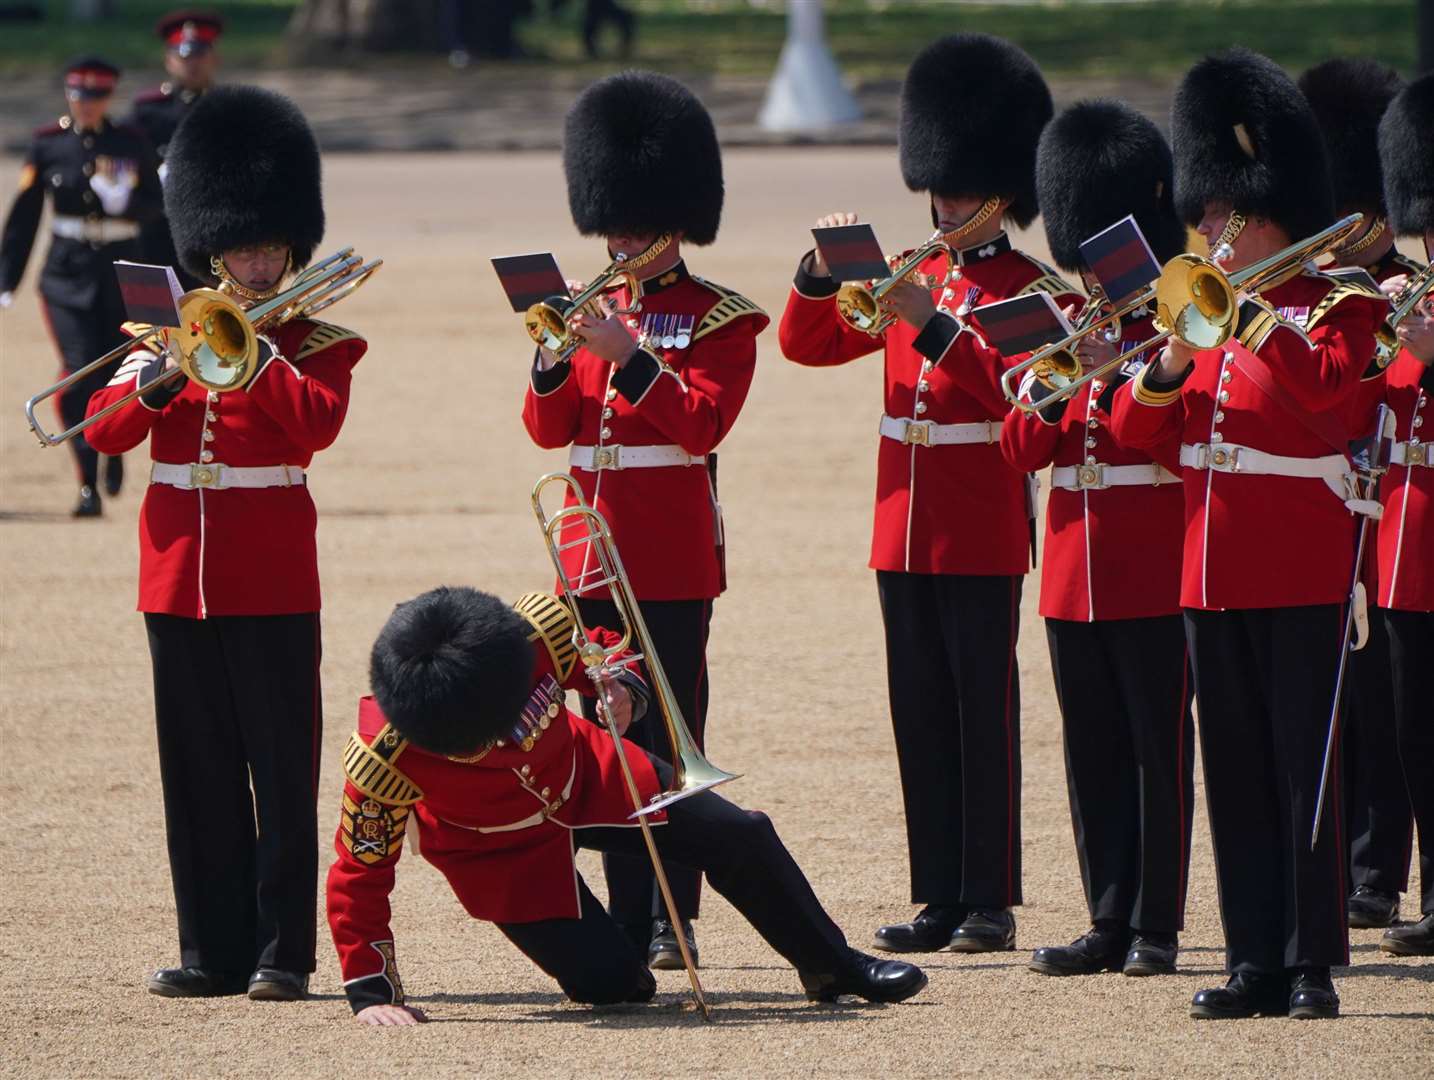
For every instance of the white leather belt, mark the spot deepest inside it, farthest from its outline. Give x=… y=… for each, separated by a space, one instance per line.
x=596 y=458
x=1228 y=458
x=226 y=476
x=1100 y=475
x=100 y=231
x=1411 y=454
x=928 y=433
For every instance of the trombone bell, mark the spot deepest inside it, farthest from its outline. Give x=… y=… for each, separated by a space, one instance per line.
x=1195 y=302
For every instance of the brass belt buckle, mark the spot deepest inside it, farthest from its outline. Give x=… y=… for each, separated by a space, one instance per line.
x=916 y=432
x=1416 y=454
x=1219 y=456
x=607 y=457
x=204 y=476
x=1090 y=476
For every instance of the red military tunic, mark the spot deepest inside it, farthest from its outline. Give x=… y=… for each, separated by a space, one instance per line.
x=1406 y=531
x=498 y=825
x=1258 y=540
x=683 y=389
x=235 y=551
x=947 y=509
x=1110 y=552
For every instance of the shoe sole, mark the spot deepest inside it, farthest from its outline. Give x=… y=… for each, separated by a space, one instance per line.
x=1199 y=1013
x=1400 y=948
x=1359 y=922
x=1060 y=972
x=1314 y=1012
x=670 y=962
x=160 y=989
x=1141 y=971
x=827 y=998
x=274 y=992
x=886 y=946
x=967 y=945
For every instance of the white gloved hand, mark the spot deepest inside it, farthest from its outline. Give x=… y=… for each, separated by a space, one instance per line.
x=115 y=189
x=6 y=299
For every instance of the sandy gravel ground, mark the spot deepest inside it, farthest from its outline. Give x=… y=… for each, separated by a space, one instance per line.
x=429 y=484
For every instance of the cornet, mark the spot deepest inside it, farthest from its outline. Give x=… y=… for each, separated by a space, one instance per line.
x=859 y=304
x=1386 y=341
x=216 y=342
x=549 y=321
x=1196 y=303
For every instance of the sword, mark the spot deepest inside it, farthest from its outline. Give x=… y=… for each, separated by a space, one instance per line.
x=1375 y=466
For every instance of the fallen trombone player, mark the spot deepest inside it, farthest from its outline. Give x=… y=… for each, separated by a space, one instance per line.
x=468 y=732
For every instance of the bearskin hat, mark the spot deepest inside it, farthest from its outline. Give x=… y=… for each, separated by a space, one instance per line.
x=641 y=156
x=1406 y=150
x=1243 y=134
x=1097 y=162
x=972 y=110
x=1348 y=97
x=242 y=168
x=452 y=669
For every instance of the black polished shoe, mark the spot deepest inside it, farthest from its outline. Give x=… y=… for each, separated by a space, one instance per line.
x=1312 y=995
x=1416 y=939
x=1243 y=996
x=194 y=982
x=1372 y=908
x=886 y=981
x=663 y=952
x=114 y=475
x=986 y=931
x=1152 y=954
x=928 y=932
x=1098 y=949
x=271 y=984
x=89 y=504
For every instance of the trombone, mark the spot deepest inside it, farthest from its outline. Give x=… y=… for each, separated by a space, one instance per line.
x=216 y=341
x=691 y=772
x=859 y=305
x=547 y=321
x=1196 y=303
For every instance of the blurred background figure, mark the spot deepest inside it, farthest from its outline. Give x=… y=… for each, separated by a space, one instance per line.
x=103 y=182
x=596 y=15
x=190 y=59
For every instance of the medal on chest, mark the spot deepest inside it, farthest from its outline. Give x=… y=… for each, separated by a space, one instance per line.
x=666 y=331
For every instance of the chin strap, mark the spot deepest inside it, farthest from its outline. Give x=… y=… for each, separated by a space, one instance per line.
x=1224 y=246
x=1371 y=235
x=230 y=285
x=974 y=222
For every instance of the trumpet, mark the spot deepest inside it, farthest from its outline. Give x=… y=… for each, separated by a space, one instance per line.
x=1196 y=303
x=216 y=342
x=691 y=772
x=859 y=305
x=1386 y=341
x=548 y=322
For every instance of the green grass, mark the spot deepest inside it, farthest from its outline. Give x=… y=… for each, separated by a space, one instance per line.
x=872 y=39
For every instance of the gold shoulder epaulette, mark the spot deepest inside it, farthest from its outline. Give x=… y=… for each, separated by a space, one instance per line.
x=1341 y=291
x=322 y=336
x=554 y=624
x=1257 y=320
x=1410 y=266
x=136 y=329
x=730 y=305
x=372 y=771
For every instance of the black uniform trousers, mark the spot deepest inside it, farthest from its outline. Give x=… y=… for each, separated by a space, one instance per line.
x=596 y=962
x=1380 y=824
x=238 y=712
x=679 y=634
x=1411 y=644
x=83 y=334
x=955 y=700
x=1125 y=692
x=1264 y=681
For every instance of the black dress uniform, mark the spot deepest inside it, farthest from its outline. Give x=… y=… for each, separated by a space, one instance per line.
x=79 y=294
x=1348 y=97
x=157 y=113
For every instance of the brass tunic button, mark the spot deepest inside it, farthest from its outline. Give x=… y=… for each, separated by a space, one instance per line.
x=526 y=770
x=607 y=414
x=208 y=435
x=546 y=792
x=1227 y=376
x=210 y=416
x=923 y=386
x=1224 y=396
x=606 y=433
x=1216 y=437
x=1219 y=415
x=611 y=392
x=921 y=406
x=206 y=456
x=1090 y=442
x=213 y=397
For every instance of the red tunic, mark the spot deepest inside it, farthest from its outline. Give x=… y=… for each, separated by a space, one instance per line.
x=1406 y=531
x=1114 y=552
x=664 y=519
x=1256 y=540
x=235 y=551
x=498 y=826
x=950 y=509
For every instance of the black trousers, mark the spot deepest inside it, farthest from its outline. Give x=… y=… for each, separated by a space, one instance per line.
x=1380 y=823
x=1264 y=680
x=679 y=631
x=237 y=706
x=82 y=335
x=596 y=962
x=1411 y=644
x=956 y=709
x=1125 y=691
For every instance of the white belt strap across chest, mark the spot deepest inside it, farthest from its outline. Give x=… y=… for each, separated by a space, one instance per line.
x=218 y=477
x=614 y=457
x=911 y=432
x=100 y=231
x=1098 y=475
x=1412 y=454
